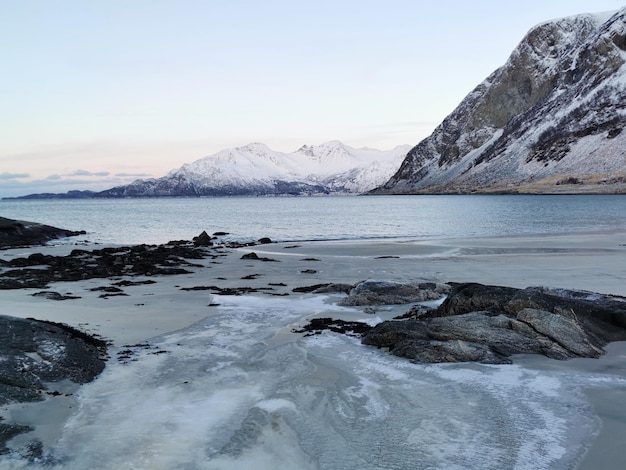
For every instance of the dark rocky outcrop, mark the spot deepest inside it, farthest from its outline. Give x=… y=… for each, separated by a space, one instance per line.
x=548 y=121
x=491 y=323
x=36 y=355
x=16 y=233
x=374 y=292
x=38 y=270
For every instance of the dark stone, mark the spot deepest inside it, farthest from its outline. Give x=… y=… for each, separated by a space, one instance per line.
x=51 y=295
x=317 y=325
x=36 y=353
x=491 y=323
x=37 y=270
x=389 y=293
x=16 y=233
x=264 y=240
x=252 y=255
x=203 y=239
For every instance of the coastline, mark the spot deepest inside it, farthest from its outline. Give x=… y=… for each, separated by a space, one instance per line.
x=588 y=261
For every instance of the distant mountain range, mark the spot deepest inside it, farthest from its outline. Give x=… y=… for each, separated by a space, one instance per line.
x=549 y=121
x=256 y=170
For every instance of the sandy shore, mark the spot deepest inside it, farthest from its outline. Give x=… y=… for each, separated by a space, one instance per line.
x=590 y=261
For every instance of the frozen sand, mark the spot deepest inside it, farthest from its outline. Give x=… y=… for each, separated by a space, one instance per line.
x=594 y=262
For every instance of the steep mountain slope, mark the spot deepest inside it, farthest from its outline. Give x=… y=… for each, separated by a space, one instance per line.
x=550 y=120
x=254 y=169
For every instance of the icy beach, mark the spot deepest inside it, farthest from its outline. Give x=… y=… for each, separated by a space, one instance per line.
x=199 y=380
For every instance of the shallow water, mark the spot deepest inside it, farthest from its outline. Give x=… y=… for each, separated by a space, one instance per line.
x=239 y=390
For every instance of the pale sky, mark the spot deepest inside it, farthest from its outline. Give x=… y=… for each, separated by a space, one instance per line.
x=98 y=93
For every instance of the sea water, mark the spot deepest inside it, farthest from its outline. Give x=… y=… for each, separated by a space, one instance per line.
x=239 y=390
x=158 y=220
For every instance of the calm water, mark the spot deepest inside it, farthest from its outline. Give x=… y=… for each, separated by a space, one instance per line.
x=320 y=218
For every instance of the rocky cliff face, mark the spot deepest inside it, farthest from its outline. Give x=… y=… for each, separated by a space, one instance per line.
x=549 y=121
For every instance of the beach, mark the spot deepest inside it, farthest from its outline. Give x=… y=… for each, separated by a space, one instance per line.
x=593 y=262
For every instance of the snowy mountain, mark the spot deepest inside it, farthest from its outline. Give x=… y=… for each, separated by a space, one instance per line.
x=549 y=121
x=254 y=169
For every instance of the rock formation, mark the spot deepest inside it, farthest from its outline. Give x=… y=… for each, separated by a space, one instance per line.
x=491 y=323
x=549 y=121
x=15 y=233
x=35 y=356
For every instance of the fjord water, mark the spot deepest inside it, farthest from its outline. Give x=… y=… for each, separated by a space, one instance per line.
x=158 y=220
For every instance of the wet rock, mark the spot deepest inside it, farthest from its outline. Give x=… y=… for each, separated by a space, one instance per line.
x=16 y=233
x=37 y=270
x=264 y=241
x=51 y=295
x=253 y=256
x=374 y=292
x=35 y=354
x=204 y=239
x=317 y=325
x=313 y=288
x=489 y=324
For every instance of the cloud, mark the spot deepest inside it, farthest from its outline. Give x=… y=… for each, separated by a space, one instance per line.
x=133 y=175
x=89 y=173
x=53 y=177
x=13 y=176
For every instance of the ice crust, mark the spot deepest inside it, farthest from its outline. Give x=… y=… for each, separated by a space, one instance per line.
x=239 y=390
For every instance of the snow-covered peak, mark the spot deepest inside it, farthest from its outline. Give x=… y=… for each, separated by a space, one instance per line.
x=255 y=164
x=553 y=114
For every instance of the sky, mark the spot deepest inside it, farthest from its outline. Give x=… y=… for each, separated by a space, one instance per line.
x=98 y=93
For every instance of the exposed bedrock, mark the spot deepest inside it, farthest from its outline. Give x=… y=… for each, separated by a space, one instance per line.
x=489 y=324
x=16 y=233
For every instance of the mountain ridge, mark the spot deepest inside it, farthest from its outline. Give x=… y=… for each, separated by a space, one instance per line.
x=256 y=170
x=548 y=121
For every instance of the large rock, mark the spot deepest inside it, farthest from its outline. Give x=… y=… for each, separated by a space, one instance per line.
x=37 y=354
x=16 y=233
x=491 y=323
x=374 y=292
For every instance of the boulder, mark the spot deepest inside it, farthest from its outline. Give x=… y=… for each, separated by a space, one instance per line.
x=16 y=233
x=36 y=355
x=489 y=324
x=372 y=292
x=204 y=239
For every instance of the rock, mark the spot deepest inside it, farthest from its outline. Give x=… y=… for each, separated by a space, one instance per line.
x=51 y=295
x=264 y=240
x=35 y=355
x=489 y=324
x=254 y=256
x=15 y=233
x=564 y=331
x=37 y=270
x=204 y=239
x=373 y=292
x=350 y=328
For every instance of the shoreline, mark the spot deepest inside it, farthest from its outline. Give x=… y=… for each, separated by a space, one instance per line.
x=593 y=262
